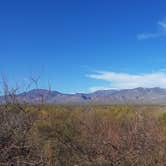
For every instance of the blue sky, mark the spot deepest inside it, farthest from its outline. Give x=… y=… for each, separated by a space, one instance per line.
x=84 y=45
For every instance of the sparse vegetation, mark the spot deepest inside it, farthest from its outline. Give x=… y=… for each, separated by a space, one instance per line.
x=82 y=135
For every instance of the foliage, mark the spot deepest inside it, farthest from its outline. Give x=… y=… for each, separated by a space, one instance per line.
x=82 y=135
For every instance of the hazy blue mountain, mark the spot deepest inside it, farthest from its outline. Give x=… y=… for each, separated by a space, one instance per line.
x=124 y=96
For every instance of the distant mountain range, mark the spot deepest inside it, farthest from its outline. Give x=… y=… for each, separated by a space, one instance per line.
x=124 y=96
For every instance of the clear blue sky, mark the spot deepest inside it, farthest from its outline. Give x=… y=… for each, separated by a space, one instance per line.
x=66 y=41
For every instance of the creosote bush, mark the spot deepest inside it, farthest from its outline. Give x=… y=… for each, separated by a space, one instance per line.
x=90 y=135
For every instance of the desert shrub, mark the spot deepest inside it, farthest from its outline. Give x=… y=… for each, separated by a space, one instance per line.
x=115 y=135
x=16 y=145
x=81 y=135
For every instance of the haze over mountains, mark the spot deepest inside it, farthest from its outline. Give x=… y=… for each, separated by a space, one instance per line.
x=124 y=96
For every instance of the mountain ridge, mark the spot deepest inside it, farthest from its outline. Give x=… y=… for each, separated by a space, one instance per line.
x=138 y=95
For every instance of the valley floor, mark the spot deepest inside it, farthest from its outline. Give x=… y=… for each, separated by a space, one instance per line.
x=91 y=135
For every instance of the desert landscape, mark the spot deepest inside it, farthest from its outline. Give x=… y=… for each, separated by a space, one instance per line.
x=82 y=83
x=81 y=134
